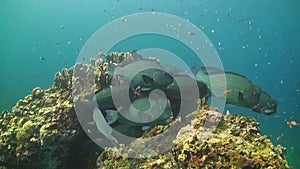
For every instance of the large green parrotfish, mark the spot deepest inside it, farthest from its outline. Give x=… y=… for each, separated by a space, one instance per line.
x=238 y=91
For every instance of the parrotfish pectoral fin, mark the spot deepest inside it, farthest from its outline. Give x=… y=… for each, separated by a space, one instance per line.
x=111 y=116
x=145 y=89
x=144 y=128
x=147 y=79
x=103 y=127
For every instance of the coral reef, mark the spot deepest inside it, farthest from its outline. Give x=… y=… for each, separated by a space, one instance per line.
x=43 y=131
x=37 y=132
x=235 y=142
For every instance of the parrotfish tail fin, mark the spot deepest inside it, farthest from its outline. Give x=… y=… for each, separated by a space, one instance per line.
x=103 y=127
x=203 y=79
x=196 y=68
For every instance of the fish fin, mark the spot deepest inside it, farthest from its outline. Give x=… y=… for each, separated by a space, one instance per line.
x=145 y=89
x=111 y=116
x=112 y=67
x=147 y=79
x=144 y=128
x=212 y=70
x=103 y=127
x=196 y=68
x=240 y=96
x=239 y=75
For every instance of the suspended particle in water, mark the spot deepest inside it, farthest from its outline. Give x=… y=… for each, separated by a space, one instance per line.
x=259 y=50
x=259 y=36
x=255 y=65
x=124 y=19
x=212 y=31
x=62 y=27
x=69 y=43
x=100 y=54
x=191 y=33
x=281 y=81
x=284 y=52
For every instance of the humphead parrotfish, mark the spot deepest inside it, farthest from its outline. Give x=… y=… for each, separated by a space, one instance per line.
x=145 y=74
x=143 y=112
x=238 y=90
x=104 y=97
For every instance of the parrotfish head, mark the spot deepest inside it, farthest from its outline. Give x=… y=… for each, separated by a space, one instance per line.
x=266 y=105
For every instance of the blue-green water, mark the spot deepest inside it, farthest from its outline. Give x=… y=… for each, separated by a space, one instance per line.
x=259 y=39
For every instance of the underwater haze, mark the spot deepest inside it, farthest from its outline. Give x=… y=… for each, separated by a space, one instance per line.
x=258 y=39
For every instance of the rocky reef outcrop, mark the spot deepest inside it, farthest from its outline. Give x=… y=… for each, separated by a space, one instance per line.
x=236 y=142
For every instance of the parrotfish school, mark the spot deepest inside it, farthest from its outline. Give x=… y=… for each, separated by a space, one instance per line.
x=144 y=109
x=149 y=84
